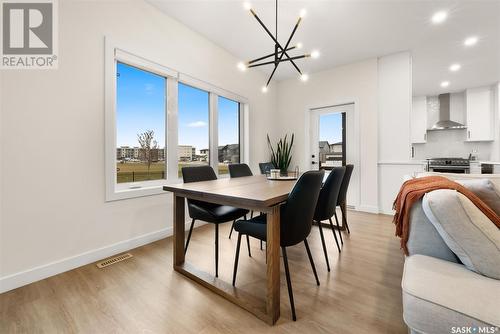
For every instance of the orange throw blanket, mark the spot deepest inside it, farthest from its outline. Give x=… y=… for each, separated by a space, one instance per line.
x=414 y=189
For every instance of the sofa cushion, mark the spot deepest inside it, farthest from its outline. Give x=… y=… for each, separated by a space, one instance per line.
x=465 y=229
x=485 y=190
x=424 y=238
x=439 y=295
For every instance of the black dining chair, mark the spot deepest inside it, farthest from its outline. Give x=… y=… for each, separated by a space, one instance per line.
x=208 y=212
x=296 y=216
x=327 y=203
x=239 y=170
x=341 y=201
x=265 y=167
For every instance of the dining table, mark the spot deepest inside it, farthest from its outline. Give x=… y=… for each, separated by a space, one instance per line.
x=255 y=193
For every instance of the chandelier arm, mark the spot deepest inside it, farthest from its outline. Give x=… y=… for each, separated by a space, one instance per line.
x=290 y=38
x=290 y=59
x=267 y=56
x=274 y=39
x=272 y=73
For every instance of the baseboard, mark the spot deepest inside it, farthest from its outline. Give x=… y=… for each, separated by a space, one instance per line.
x=368 y=208
x=38 y=273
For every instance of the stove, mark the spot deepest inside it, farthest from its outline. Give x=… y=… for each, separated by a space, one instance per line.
x=448 y=165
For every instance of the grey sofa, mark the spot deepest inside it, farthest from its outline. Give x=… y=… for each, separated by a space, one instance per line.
x=440 y=295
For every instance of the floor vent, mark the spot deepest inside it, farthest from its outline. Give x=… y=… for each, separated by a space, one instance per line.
x=113 y=260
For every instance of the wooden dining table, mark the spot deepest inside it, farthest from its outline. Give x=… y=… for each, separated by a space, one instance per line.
x=253 y=193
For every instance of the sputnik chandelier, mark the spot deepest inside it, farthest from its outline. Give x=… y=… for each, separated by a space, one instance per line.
x=281 y=53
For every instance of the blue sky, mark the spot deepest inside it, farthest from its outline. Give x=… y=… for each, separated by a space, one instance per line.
x=141 y=106
x=330 y=127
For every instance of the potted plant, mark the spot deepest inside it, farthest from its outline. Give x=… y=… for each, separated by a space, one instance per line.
x=281 y=156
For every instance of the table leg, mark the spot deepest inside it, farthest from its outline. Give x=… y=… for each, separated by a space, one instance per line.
x=179 y=226
x=273 y=264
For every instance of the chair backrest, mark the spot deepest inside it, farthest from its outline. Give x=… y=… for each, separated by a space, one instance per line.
x=198 y=173
x=345 y=184
x=328 y=196
x=297 y=213
x=265 y=167
x=239 y=170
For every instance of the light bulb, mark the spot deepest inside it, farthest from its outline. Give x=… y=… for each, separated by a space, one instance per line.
x=303 y=13
x=439 y=17
x=445 y=84
x=315 y=54
x=242 y=67
x=299 y=45
x=470 y=41
x=304 y=77
x=264 y=89
x=455 y=67
x=247 y=5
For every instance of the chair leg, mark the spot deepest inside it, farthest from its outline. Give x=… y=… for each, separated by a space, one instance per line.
x=338 y=226
x=216 y=250
x=344 y=217
x=261 y=245
x=251 y=214
x=334 y=234
x=232 y=228
x=312 y=261
x=248 y=245
x=289 y=283
x=236 y=258
x=189 y=236
x=324 y=245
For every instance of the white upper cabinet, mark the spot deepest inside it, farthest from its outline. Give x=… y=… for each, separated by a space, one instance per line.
x=418 y=120
x=479 y=113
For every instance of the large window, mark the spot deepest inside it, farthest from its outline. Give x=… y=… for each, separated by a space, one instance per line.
x=229 y=133
x=140 y=125
x=159 y=120
x=194 y=114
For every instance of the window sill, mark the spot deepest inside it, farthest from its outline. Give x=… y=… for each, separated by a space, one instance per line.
x=140 y=189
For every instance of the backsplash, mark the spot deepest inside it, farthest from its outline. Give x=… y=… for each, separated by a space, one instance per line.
x=451 y=143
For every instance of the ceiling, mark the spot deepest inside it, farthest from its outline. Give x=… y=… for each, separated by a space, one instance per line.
x=347 y=31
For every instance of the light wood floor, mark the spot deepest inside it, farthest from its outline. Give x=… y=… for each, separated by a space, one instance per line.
x=361 y=294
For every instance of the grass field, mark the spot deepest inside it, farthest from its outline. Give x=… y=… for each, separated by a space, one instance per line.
x=133 y=172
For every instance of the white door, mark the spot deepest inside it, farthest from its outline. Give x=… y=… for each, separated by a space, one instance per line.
x=325 y=128
x=328 y=137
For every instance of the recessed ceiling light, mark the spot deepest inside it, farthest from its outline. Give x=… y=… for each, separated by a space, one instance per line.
x=439 y=17
x=315 y=54
x=264 y=89
x=445 y=84
x=242 y=67
x=455 y=67
x=304 y=77
x=470 y=41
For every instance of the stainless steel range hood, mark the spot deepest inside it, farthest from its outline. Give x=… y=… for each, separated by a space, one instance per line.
x=444 y=122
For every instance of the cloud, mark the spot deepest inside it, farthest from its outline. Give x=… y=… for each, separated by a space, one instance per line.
x=149 y=88
x=197 y=124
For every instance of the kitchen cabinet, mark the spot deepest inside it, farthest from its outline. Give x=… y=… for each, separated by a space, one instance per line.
x=418 y=120
x=479 y=114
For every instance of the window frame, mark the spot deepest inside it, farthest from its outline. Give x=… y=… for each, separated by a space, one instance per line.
x=115 y=53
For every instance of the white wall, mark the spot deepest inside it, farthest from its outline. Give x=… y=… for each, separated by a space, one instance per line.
x=350 y=83
x=52 y=153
